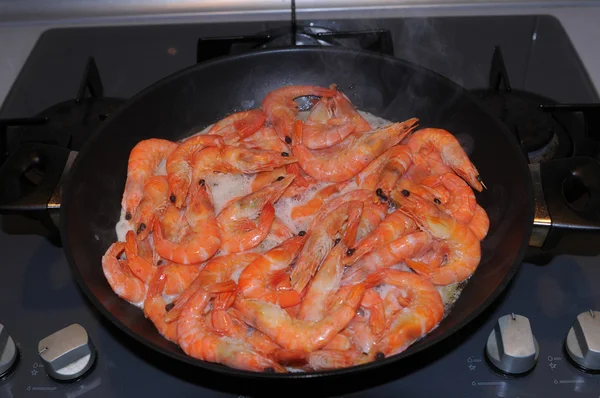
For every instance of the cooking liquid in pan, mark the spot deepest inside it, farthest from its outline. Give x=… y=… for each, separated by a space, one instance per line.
x=225 y=187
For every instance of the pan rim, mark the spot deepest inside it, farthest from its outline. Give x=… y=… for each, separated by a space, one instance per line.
x=221 y=369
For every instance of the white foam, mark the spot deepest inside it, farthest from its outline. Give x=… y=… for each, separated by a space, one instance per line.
x=226 y=187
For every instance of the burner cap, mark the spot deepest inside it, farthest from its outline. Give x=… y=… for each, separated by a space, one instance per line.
x=539 y=134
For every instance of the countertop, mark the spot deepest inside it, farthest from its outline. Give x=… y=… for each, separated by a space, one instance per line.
x=20 y=27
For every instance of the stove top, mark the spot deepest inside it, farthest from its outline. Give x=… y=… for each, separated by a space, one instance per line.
x=87 y=71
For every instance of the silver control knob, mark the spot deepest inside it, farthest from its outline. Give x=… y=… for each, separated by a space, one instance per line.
x=511 y=347
x=68 y=353
x=583 y=340
x=8 y=351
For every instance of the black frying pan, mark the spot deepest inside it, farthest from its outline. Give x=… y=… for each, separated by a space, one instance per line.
x=388 y=87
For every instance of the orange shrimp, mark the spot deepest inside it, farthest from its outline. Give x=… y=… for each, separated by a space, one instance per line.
x=315 y=203
x=238 y=125
x=239 y=230
x=327 y=279
x=397 y=163
x=255 y=279
x=423 y=312
x=217 y=270
x=281 y=109
x=140 y=266
x=452 y=154
x=144 y=159
x=179 y=165
x=346 y=159
x=328 y=359
x=323 y=128
x=367 y=326
x=296 y=334
x=154 y=307
x=154 y=202
x=461 y=203
x=196 y=338
x=179 y=276
x=464 y=250
x=265 y=138
x=319 y=243
x=121 y=280
x=373 y=212
x=480 y=223
x=175 y=226
x=392 y=227
x=387 y=255
x=204 y=239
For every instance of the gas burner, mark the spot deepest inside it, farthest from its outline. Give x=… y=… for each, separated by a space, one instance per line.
x=545 y=129
x=541 y=136
x=67 y=124
x=373 y=40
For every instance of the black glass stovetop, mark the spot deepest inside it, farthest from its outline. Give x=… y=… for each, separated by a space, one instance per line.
x=40 y=296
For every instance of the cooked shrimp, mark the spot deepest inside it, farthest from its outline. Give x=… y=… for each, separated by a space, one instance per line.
x=392 y=227
x=175 y=226
x=266 y=138
x=464 y=251
x=204 y=239
x=480 y=223
x=179 y=165
x=345 y=160
x=461 y=203
x=369 y=324
x=452 y=154
x=139 y=266
x=281 y=109
x=319 y=243
x=313 y=205
x=154 y=202
x=387 y=255
x=329 y=276
x=373 y=212
x=121 y=280
x=254 y=282
x=144 y=159
x=399 y=159
x=424 y=311
x=336 y=359
x=179 y=276
x=280 y=231
x=154 y=307
x=323 y=128
x=217 y=270
x=198 y=340
x=238 y=125
x=295 y=334
x=246 y=222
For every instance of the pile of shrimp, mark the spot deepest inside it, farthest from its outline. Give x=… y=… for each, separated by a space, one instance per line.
x=391 y=217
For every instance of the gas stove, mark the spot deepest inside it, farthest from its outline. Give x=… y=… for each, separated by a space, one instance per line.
x=74 y=79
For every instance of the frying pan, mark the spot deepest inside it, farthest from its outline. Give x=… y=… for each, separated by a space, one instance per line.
x=185 y=102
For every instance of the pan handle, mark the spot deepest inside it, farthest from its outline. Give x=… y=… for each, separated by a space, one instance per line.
x=567 y=205
x=31 y=182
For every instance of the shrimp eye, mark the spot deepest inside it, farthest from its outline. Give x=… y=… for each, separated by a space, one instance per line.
x=405 y=193
x=379 y=192
x=285 y=154
x=141 y=228
x=128 y=216
x=169 y=307
x=172 y=198
x=437 y=201
x=336 y=241
x=202 y=183
x=288 y=139
x=379 y=355
x=280 y=178
x=350 y=251
x=159 y=262
x=479 y=178
x=301 y=233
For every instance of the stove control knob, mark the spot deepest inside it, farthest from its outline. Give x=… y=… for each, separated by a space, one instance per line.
x=8 y=352
x=583 y=341
x=511 y=347
x=68 y=353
